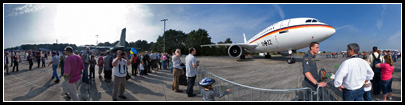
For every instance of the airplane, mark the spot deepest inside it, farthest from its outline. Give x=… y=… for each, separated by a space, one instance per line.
x=119 y=46
x=284 y=37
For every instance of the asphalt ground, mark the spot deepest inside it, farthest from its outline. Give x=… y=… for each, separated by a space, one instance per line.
x=276 y=73
x=37 y=85
x=254 y=71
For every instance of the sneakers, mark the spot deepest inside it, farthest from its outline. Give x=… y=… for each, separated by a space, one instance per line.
x=191 y=95
x=67 y=95
x=123 y=97
x=57 y=81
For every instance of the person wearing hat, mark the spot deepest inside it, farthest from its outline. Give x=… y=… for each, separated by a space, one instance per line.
x=207 y=92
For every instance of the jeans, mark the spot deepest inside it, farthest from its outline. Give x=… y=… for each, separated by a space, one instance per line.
x=190 y=85
x=86 y=73
x=31 y=63
x=367 y=95
x=55 y=74
x=164 y=65
x=386 y=86
x=376 y=83
x=353 y=95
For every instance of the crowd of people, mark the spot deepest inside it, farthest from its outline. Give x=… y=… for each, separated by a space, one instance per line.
x=357 y=76
x=77 y=66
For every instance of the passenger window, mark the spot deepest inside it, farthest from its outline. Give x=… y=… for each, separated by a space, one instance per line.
x=308 y=21
x=314 y=20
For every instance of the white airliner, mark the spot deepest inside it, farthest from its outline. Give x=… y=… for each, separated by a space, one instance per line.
x=284 y=37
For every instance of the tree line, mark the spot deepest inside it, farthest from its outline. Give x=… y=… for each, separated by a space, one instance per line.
x=175 y=39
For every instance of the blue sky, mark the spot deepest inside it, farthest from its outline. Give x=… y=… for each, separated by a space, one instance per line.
x=366 y=24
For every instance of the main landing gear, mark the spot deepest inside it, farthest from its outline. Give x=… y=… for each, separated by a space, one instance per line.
x=291 y=60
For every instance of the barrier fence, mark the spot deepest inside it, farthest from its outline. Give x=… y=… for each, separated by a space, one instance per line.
x=241 y=92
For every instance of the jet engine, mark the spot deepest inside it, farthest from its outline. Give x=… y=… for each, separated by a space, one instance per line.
x=235 y=51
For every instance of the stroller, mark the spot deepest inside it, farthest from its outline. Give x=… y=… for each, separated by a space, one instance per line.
x=183 y=78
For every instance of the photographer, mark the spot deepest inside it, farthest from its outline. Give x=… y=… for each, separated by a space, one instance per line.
x=120 y=67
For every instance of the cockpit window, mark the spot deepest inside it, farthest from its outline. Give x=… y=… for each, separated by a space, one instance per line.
x=314 y=20
x=309 y=20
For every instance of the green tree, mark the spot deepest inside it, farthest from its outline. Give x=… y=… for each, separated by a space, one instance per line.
x=197 y=38
x=174 y=40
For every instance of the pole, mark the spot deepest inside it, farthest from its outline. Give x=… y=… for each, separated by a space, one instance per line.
x=97 y=40
x=164 y=37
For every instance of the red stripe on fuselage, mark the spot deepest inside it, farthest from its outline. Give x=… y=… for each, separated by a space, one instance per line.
x=292 y=27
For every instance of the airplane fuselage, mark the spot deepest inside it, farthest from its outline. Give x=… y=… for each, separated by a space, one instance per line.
x=290 y=34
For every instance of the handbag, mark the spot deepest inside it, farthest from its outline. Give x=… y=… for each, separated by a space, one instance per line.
x=128 y=76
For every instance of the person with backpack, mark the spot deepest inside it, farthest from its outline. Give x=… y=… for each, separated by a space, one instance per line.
x=374 y=59
x=120 y=68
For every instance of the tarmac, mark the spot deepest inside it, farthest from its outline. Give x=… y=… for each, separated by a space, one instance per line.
x=37 y=85
x=274 y=73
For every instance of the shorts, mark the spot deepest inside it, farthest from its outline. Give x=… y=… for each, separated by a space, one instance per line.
x=386 y=86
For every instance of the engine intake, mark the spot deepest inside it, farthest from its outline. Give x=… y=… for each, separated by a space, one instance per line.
x=235 y=51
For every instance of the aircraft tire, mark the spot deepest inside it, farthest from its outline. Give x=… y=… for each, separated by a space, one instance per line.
x=291 y=60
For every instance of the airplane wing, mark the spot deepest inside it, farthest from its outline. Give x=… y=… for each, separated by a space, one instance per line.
x=243 y=45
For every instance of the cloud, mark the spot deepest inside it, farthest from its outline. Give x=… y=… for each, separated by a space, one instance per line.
x=279 y=10
x=379 y=23
x=221 y=21
x=27 y=8
x=392 y=42
x=349 y=28
x=383 y=10
x=395 y=36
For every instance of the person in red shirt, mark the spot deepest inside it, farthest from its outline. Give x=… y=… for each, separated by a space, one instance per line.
x=386 y=76
x=73 y=67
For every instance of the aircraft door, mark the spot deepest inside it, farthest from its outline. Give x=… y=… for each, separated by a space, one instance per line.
x=284 y=24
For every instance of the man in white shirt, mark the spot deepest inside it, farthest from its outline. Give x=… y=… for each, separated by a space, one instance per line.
x=191 y=66
x=120 y=72
x=352 y=74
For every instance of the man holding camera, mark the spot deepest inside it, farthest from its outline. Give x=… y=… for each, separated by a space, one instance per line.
x=120 y=67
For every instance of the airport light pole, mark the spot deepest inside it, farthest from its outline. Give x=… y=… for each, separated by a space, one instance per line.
x=164 y=37
x=97 y=40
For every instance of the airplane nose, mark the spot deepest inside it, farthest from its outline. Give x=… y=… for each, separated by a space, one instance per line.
x=331 y=31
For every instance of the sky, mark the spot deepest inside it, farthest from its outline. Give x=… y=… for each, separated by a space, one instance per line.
x=366 y=24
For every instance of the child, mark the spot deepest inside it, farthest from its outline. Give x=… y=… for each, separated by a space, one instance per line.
x=43 y=61
x=92 y=66
x=207 y=93
x=141 y=68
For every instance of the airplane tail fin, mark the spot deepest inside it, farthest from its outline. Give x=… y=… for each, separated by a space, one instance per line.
x=244 y=38
x=121 y=43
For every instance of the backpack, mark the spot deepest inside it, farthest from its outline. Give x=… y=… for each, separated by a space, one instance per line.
x=375 y=62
